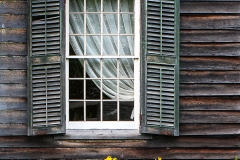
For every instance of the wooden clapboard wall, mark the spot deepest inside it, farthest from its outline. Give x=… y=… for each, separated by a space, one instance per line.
x=209 y=91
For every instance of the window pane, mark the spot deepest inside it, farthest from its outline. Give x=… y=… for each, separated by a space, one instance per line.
x=126 y=91
x=93 y=5
x=93 y=45
x=76 y=111
x=76 y=89
x=127 y=6
x=93 y=68
x=126 y=45
x=126 y=23
x=110 y=45
x=109 y=111
x=93 y=111
x=76 y=45
x=126 y=111
x=75 y=68
x=77 y=23
x=93 y=23
x=110 y=88
x=92 y=91
x=109 y=69
x=110 y=23
x=110 y=5
x=76 y=5
x=126 y=68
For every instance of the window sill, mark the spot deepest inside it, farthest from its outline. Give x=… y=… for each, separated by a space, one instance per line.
x=103 y=134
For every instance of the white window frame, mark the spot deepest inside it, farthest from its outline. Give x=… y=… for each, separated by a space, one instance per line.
x=109 y=124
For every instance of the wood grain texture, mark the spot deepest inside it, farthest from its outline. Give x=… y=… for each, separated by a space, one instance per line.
x=13 y=62
x=120 y=153
x=13 y=7
x=13 y=76
x=13 y=35
x=231 y=103
x=228 y=22
x=204 y=36
x=13 y=130
x=13 y=90
x=13 y=117
x=209 y=7
x=210 y=63
x=209 y=77
x=13 y=21
x=8 y=103
x=209 y=49
x=209 y=89
x=209 y=129
x=13 y=49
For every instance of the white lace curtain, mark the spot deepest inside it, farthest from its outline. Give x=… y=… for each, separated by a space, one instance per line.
x=110 y=45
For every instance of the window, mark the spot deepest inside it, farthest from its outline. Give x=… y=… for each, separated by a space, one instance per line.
x=103 y=64
x=99 y=59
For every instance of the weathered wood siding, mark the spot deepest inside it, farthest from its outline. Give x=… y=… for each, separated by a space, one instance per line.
x=209 y=91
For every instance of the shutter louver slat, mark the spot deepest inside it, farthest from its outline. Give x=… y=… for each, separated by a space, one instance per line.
x=160 y=70
x=46 y=68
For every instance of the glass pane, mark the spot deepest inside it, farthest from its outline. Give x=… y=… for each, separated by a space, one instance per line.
x=127 y=24
x=93 y=23
x=126 y=91
x=92 y=91
x=75 y=69
x=93 y=68
x=110 y=5
x=126 y=68
x=76 y=6
x=93 y=5
x=126 y=45
x=126 y=111
x=110 y=89
x=76 y=45
x=110 y=45
x=127 y=6
x=76 y=89
x=109 y=69
x=77 y=23
x=109 y=111
x=93 y=111
x=93 y=45
x=110 y=23
x=76 y=111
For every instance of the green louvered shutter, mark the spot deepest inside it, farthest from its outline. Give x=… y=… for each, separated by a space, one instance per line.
x=160 y=67
x=46 y=68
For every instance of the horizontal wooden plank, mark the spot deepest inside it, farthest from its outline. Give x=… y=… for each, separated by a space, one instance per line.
x=13 y=21
x=209 y=77
x=157 y=142
x=13 y=76
x=203 y=36
x=13 y=129
x=210 y=49
x=230 y=22
x=209 y=129
x=13 y=7
x=209 y=63
x=13 y=62
x=13 y=117
x=13 y=35
x=120 y=153
x=210 y=103
x=209 y=117
x=13 y=90
x=13 y=49
x=8 y=103
x=224 y=7
x=209 y=89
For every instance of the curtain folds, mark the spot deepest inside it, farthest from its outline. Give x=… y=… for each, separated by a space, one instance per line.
x=111 y=67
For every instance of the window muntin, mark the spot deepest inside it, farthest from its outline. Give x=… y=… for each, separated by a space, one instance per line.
x=107 y=36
